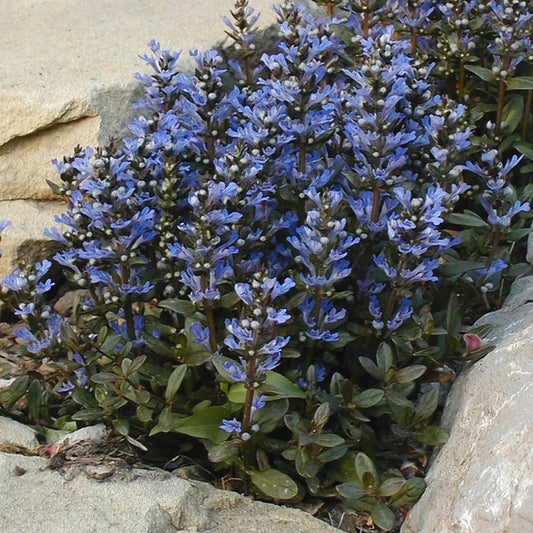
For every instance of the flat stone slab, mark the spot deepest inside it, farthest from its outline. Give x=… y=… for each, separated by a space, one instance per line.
x=34 y=499
x=67 y=73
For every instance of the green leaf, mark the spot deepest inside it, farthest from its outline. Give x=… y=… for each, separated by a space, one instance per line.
x=122 y=427
x=512 y=113
x=371 y=368
x=135 y=365
x=520 y=83
x=229 y=300
x=281 y=386
x=204 y=424
x=332 y=454
x=174 y=382
x=517 y=234
x=104 y=377
x=84 y=399
x=34 y=399
x=391 y=486
x=409 y=493
x=364 y=466
x=484 y=73
x=409 y=373
x=275 y=484
x=525 y=148
x=328 y=440
x=351 y=491
x=144 y=414
x=16 y=390
x=427 y=404
x=384 y=357
x=237 y=393
x=431 y=435
x=271 y=415
x=182 y=307
x=468 y=218
x=369 y=397
x=224 y=451
x=88 y=415
x=383 y=517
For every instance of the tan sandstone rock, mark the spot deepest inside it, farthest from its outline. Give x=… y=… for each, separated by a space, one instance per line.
x=67 y=74
x=482 y=479
x=24 y=238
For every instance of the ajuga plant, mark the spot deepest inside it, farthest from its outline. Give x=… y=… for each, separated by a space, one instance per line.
x=284 y=259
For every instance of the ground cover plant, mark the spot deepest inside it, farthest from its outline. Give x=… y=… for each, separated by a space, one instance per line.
x=283 y=260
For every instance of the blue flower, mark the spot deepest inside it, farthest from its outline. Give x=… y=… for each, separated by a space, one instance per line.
x=231 y=426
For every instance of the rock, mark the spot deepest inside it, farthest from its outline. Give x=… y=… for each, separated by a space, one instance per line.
x=68 y=79
x=24 y=238
x=65 y=304
x=72 y=82
x=36 y=499
x=16 y=434
x=482 y=479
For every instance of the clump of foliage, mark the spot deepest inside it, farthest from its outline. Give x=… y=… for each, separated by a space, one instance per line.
x=281 y=261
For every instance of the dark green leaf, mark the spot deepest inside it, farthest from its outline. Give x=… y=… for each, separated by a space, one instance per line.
x=384 y=357
x=271 y=415
x=409 y=493
x=484 y=73
x=427 y=404
x=174 y=382
x=34 y=399
x=409 y=373
x=468 y=218
x=182 y=307
x=328 y=440
x=144 y=414
x=275 y=484
x=525 y=148
x=369 y=397
x=104 y=377
x=281 y=386
x=351 y=491
x=204 y=424
x=520 y=83
x=332 y=454
x=371 y=368
x=383 y=517
x=512 y=113
x=122 y=427
x=391 y=486
x=135 y=365
x=224 y=451
x=16 y=390
x=364 y=466
x=88 y=415
x=431 y=435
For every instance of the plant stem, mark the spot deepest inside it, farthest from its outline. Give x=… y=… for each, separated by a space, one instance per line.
x=210 y=318
x=461 y=81
x=501 y=97
x=365 y=25
x=375 y=205
x=128 y=311
x=330 y=9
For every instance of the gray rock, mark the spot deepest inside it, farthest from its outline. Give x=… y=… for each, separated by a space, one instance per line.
x=482 y=479
x=16 y=434
x=34 y=499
